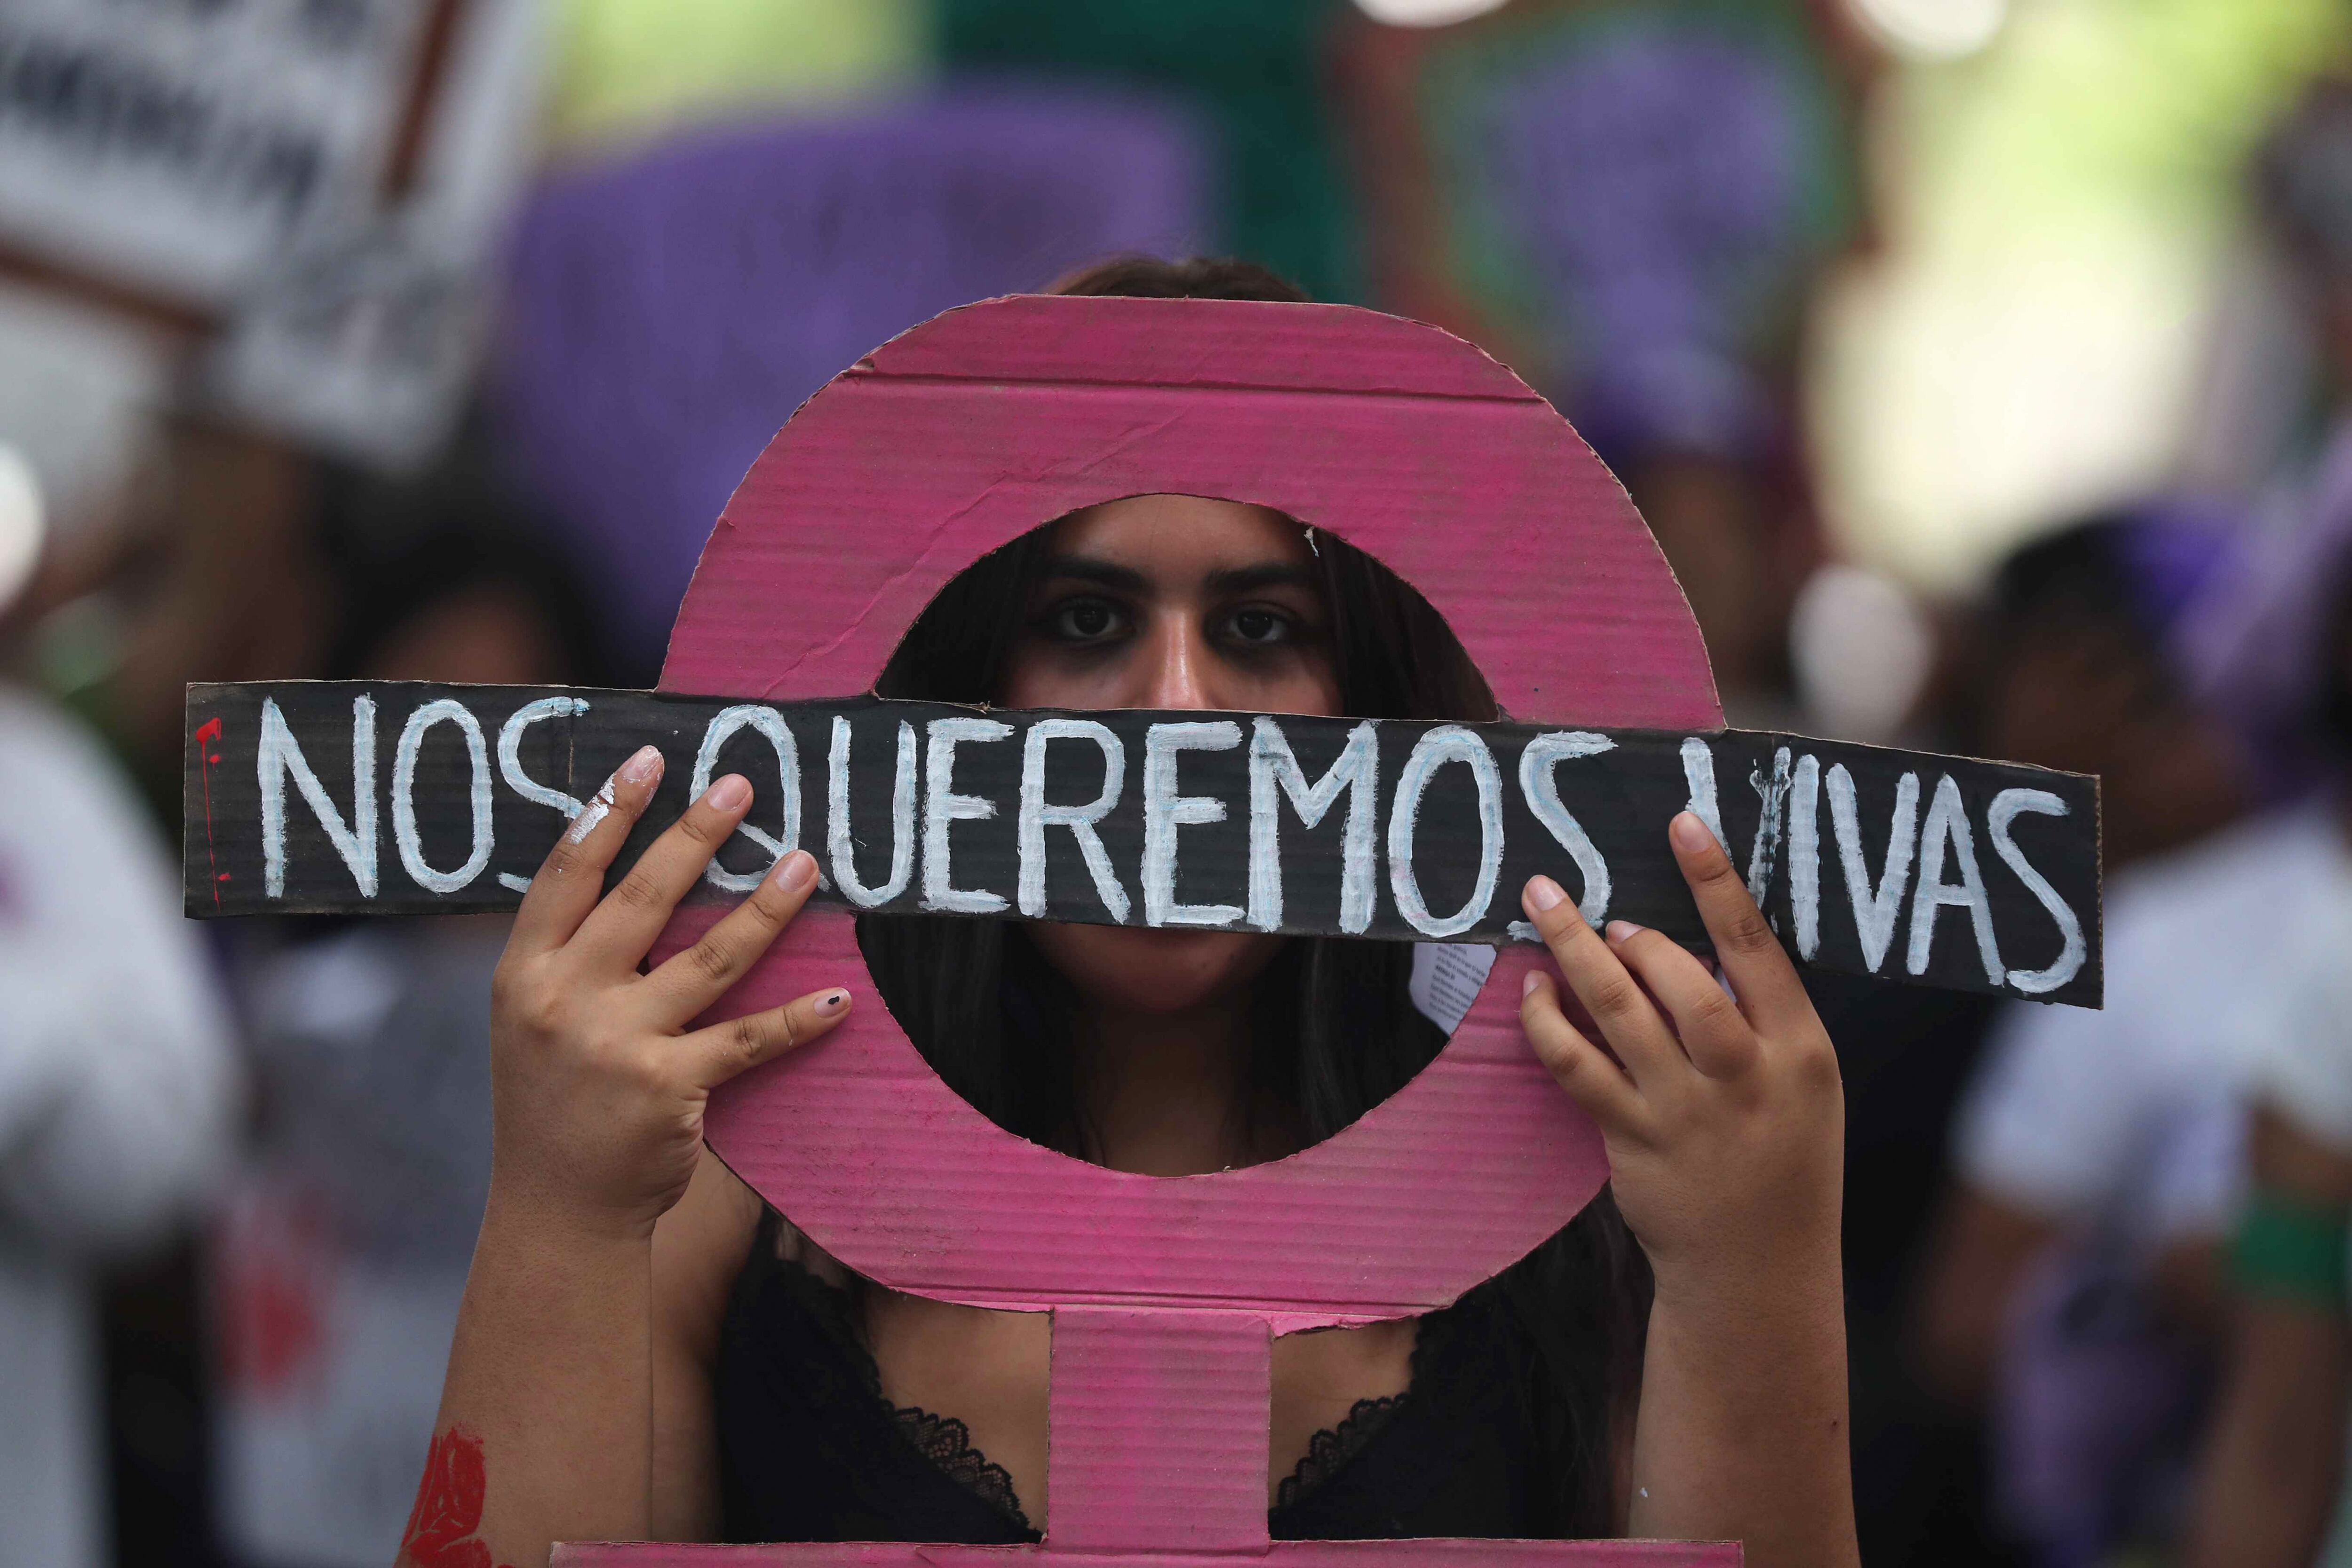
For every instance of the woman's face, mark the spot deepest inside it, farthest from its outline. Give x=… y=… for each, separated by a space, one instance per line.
x=1171 y=602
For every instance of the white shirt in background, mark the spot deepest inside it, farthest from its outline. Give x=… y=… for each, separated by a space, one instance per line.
x=117 y=1097
x=2131 y=1120
x=343 y=1256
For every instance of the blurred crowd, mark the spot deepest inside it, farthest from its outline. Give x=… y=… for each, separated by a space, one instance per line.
x=1984 y=367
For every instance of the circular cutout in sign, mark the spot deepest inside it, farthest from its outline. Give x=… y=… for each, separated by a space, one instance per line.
x=967 y=432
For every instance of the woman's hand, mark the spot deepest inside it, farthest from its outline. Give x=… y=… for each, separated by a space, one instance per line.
x=1724 y=1125
x=598 y=1086
x=1723 y=1119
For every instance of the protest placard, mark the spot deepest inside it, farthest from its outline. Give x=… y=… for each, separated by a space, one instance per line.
x=350 y=797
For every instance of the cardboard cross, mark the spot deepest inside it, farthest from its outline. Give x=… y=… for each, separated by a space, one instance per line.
x=1166 y=1295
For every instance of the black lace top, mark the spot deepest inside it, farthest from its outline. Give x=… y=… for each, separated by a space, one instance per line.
x=809 y=1449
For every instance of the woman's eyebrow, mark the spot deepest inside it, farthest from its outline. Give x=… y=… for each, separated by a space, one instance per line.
x=1267 y=575
x=1091 y=569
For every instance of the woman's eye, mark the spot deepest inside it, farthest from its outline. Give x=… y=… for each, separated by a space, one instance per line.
x=1260 y=627
x=1082 y=620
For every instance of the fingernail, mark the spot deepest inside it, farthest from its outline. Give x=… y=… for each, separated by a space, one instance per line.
x=1689 y=833
x=795 y=871
x=831 y=1003
x=645 y=763
x=1619 y=932
x=1543 y=893
x=728 y=792
x=1527 y=986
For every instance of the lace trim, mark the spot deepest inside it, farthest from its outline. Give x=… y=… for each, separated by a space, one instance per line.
x=946 y=1442
x=1330 y=1450
x=943 y=1440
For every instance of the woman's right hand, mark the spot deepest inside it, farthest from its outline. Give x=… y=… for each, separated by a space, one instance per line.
x=598 y=1083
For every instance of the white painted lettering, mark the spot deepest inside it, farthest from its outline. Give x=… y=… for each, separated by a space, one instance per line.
x=1037 y=815
x=441 y=710
x=1165 y=811
x=1698 y=778
x=510 y=751
x=1445 y=744
x=279 y=754
x=1538 y=782
x=840 y=848
x=1275 y=773
x=1771 y=797
x=767 y=722
x=1805 y=854
x=2006 y=806
x=942 y=807
x=1874 y=912
x=1947 y=826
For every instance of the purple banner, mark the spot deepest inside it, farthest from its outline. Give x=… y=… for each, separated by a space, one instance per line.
x=666 y=315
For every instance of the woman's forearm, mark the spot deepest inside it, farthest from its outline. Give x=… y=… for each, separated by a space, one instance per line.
x=1723 y=1129
x=1743 y=1433
x=598 y=1084
x=546 y=1417
x=2274 y=1463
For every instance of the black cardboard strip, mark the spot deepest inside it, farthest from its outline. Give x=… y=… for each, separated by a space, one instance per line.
x=1946 y=871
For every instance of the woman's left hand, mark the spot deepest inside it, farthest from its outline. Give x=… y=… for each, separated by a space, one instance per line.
x=1723 y=1119
x=1725 y=1123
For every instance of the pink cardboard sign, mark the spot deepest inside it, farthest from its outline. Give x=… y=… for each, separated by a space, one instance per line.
x=954 y=439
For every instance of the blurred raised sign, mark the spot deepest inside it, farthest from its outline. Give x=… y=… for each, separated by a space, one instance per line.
x=1623 y=199
x=179 y=143
x=322 y=178
x=663 y=316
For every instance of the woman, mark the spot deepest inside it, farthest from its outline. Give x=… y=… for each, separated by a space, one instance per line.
x=645 y=1351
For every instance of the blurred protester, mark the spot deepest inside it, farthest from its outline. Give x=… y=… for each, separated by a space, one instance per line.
x=213 y=574
x=2274 y=1474
x=1919 y=1483
x=1625 y=202
x=342 y=1251
x=117 y=1091
x=2074 y=1285
x=1922 y=1492
x=1718 y=507
x=176 y=552
x=203 y=567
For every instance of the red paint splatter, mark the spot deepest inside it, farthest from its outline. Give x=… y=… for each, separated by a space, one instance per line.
x=209 y=731
x=448 y=1509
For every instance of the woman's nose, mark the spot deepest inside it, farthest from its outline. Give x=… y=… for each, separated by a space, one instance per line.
x=1177 y=670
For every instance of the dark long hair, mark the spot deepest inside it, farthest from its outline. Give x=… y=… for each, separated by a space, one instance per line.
x=1333 y=1028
